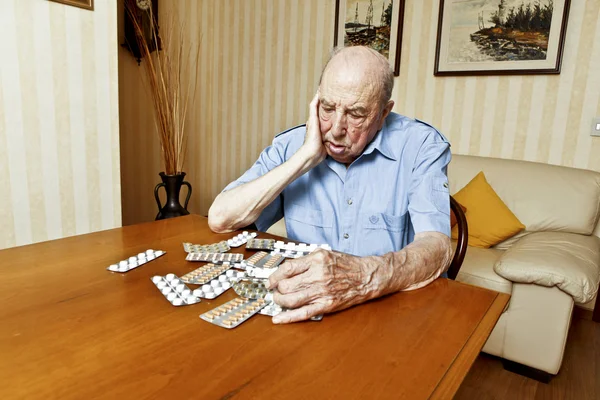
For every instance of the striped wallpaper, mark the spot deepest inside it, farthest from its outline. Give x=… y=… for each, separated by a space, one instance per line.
x=261 y=60
x=59 y=133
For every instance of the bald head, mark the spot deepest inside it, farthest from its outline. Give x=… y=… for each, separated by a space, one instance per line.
x=364 y=65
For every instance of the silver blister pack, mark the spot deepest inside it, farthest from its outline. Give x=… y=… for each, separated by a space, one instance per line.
x=260 y=244
x=174 y=290
x=215 y=258
x=136 y=261
x=218 y=285
x=234 y=312
x=293 y=250
x=205 y=273
x=221 y=247
x=241 y=239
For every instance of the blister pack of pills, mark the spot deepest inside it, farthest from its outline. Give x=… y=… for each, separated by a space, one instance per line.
x=260 y=244
x=174 y=290
x=219 y=285
x=136 y=261
x=221 y=247
x=234 y=312
x=205 y=273
x=271 y=309
x=215 y=258
x=262 y=260
x=252 y=289
x=293 y=250
x=257 y=272
x=241 y=239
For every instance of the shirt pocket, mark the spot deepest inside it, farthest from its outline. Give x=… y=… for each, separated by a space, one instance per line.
x=308 y=225
x=383 y=233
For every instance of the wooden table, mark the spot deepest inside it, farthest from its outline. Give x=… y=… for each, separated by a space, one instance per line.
x=70 y=329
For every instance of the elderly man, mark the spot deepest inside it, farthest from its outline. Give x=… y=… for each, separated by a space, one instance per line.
x=369 y=182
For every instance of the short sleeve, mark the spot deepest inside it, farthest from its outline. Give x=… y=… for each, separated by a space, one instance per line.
x=429 y=196
x=270 y=158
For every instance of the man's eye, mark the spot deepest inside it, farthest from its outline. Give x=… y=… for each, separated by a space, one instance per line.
x=356 y=116
x=327 y=109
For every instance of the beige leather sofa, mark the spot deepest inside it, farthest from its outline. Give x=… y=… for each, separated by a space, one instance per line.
x=548 y=268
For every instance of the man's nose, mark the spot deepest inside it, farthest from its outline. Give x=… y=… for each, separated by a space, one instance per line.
x=339 y=125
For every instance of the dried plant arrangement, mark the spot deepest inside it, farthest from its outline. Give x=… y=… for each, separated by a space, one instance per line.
x=170 y=75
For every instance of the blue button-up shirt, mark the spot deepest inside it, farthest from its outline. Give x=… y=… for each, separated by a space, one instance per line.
x=396 y=188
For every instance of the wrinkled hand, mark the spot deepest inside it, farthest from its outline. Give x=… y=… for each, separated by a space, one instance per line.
x=320 y=283
x=313 y=141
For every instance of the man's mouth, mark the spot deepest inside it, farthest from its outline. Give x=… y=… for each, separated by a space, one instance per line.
x=335 y=149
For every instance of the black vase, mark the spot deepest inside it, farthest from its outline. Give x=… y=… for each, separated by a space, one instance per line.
x=172 y=185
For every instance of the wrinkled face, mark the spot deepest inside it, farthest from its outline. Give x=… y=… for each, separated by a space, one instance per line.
x=350 y=114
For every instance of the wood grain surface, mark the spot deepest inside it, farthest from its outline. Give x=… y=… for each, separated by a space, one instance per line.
x=70 y=329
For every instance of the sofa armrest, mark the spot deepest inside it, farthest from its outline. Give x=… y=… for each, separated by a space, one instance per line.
x=569 y=261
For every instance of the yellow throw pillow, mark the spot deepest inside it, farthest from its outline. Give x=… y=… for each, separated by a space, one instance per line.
x=490 y=221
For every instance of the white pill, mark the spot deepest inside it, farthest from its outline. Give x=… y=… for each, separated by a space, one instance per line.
x=114 y=267
x=197 y=292
x=226 y=285
x=122 y=263
x=206 y=288
x=158 y=253
x=170 y=277
x=241 y=274
x=218 y=291
x=230 y=242
x=215 y=283
x=156 y=279
x=149 y=251
x=185 y=292
x=166 y=290
x=230 y=273
x=180 y=288
x=222 y=278
x=253 y=234
x=191 y=299
x=269 y=297
x=123 y=268
x=150 y=258
x=133 y=264
x=245 y=233
x=161 y=284
x=132 y=259
x=177 y=302
x=141 y=255
x=171 y=296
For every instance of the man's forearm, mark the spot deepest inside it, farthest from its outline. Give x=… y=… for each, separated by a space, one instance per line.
x=415 y=266
x=242 y=205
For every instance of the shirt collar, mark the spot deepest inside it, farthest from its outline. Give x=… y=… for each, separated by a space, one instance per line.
x=381 y=143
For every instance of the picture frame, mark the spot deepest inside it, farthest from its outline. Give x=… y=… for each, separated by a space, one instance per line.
x=500 y=37
x=85 y=4
x=374 y=23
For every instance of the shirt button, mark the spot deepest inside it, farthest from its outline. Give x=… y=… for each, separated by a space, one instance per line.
x=349 y=202
x=374 y=219
x=346 y=236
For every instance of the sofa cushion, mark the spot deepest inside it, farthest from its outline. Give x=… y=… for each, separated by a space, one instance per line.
x=544 y=197
x=489 y=220
x=566 y=260
x=478 y=270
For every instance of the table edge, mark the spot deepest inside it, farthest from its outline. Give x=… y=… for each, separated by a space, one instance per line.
x=454 y=376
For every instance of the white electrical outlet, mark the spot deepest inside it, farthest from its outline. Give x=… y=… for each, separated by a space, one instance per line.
x=596 y=127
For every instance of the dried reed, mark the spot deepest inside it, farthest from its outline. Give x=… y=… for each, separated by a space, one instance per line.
x=171 y=75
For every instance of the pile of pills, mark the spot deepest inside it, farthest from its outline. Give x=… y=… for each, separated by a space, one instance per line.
x=219 y=285
x=215 y=258
x=241 y=239
x=234 y=312
x=260 y=244
x=136 y=261
x=176 y=292
x=221 y=247
x=293 y=250
x=205 y=273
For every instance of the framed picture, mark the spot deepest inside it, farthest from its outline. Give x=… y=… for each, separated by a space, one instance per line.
x=500 y=37
x=373 y=23
x=86 y=4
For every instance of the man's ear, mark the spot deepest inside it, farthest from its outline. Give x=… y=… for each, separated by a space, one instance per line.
x=386 y=111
